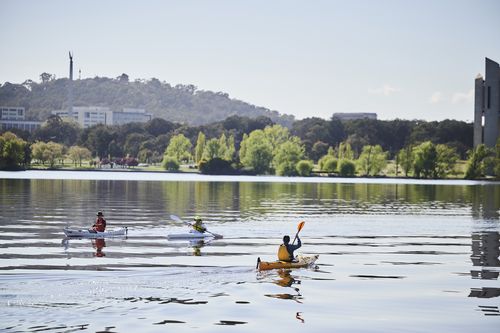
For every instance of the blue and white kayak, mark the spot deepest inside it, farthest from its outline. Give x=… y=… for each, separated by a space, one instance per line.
x=71 y=232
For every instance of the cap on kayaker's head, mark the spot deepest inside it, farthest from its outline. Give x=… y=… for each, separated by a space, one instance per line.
x=197 y=218
x=286 y=239
x=99 y=213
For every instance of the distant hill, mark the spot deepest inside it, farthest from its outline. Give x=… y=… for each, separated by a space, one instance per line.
x=180 y=103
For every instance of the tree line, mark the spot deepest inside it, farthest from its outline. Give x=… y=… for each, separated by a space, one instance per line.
x=259 y=146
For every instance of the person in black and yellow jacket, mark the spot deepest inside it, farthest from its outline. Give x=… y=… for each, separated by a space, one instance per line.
x=285 y=251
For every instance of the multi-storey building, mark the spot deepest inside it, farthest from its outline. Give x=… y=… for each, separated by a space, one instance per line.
x=129 y=115
x=14 y=117
x=487 y=106
x=88 y=116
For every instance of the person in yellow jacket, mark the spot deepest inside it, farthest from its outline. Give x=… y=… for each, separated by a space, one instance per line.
x=198 y=225
x=285 y=251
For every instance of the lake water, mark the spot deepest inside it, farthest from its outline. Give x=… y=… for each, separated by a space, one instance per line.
x=395 y=255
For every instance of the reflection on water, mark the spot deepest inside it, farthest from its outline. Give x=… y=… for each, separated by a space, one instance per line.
x=387 y=250
x=485 y=254
x=98 y=244
x=287 y=280
x=233 y=200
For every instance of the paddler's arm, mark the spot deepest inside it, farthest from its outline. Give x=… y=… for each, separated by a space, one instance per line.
x=295 y=247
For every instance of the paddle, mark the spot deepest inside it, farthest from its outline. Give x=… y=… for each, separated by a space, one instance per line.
x=178 y=219
x=299 y=227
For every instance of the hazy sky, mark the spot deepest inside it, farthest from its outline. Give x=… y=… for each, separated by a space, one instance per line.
x=400 y=59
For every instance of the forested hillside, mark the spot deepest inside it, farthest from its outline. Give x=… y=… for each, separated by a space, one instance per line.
x=180 y=103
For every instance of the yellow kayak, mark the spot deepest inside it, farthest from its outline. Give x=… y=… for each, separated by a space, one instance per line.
x=302 y=261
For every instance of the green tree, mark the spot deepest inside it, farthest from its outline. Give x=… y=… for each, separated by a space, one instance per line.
x=276 y=136
x=179 y=148
x=216 y=166
x=133 y=143
x=318 y=150
x=170 y=163
x=47 y=152
x=145 y=155
x=477 y=162
x=200 y=147
x=77 y=154
x=53 y=152
x=372 y=160
x=46 y=77
x=98 y=139
x=256 y=152
x=12 y=151
x=405 y=159
x=347 y=168
x=159 y=126
x=447 y=158
x=37 y=151
x=328 y=163
x=222 y=146
x=425 y=160
x=345 y=151
x=231 y=150
x=56 y=129
x=304 y=168
x=212 y=150
x=287 y=156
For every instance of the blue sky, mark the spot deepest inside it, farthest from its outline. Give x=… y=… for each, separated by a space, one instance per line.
x=400 y=59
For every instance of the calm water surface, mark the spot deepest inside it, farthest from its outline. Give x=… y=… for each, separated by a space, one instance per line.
x=395 y=256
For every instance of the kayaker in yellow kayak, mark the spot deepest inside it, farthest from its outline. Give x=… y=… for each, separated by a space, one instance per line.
x=198 y=225
x=285 y=251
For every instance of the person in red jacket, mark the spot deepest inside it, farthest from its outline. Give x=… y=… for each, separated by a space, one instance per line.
x=100 y=223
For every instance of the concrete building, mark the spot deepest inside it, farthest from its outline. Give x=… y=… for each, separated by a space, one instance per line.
x=88 y=116
x=355 y=115
x=487 y=106
x=12 y=113
x=129 y=115
x=14 y=117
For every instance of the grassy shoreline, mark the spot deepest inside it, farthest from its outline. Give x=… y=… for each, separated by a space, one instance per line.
x=389 y=171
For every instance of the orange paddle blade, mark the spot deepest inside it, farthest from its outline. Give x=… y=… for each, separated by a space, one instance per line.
x=300 y=226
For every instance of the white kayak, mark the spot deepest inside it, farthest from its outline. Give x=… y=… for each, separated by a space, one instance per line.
x=194 y=235
x=71 y=232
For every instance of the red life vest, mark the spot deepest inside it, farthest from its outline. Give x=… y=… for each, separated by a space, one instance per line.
x=100 y=225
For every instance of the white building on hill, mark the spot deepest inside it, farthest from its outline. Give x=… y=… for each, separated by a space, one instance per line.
x=14 y=117
x=88 y=116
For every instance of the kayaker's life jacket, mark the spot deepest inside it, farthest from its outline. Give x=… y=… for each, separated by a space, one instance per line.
x=199 y=227
x=283 y=253
x=100 y=225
